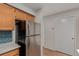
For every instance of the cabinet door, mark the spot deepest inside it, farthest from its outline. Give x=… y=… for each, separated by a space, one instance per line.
x=31 y=18
x=20 y=15
x=6 y=17
x=6 y=23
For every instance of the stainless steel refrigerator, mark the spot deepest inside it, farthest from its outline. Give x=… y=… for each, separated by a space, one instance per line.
x=33 y=39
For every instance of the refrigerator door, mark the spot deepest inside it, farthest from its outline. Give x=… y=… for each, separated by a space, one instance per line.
x=32 y=40
x=38 y=32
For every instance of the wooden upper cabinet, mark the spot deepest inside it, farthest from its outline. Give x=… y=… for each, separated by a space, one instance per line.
x=20 y=15
x=6 y=17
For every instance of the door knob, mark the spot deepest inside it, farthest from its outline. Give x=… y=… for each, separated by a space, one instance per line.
x=73 y=38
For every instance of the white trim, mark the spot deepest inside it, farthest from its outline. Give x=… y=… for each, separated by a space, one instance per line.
x=42 y=36
x=13 y=35
x=75 y=36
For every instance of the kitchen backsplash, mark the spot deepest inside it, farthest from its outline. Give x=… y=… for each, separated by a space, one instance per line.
x=5 y=36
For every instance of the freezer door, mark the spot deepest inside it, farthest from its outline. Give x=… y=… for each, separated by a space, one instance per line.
x=31 y=28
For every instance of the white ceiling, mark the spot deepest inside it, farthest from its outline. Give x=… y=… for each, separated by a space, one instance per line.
x=51 y=8
x=34 y=6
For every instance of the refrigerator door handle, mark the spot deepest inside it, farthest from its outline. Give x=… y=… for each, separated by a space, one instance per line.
x=33 y=35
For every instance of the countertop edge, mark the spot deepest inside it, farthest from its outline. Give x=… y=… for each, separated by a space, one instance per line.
x=8 y=47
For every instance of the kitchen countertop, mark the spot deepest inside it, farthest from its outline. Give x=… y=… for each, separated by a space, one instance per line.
x=8 y=47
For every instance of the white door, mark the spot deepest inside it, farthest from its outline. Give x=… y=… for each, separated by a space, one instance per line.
x=64 y=35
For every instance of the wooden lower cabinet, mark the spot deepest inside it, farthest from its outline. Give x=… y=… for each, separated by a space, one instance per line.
x=11 y=53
